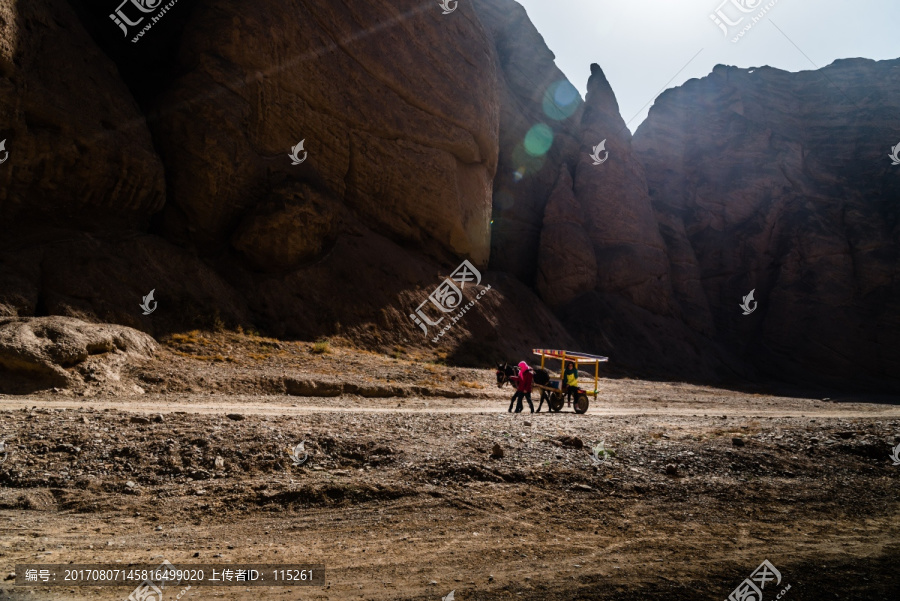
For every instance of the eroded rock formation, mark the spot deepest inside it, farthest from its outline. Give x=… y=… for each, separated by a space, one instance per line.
x=616 y=205
x=169 y=170
x=79 y=148
x=780 y=182
x=374 y=91
x=539 y=114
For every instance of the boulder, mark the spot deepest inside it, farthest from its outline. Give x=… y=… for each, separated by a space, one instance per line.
x=47 y=352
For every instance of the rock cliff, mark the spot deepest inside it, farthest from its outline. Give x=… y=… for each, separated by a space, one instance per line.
x=163 y=162
x=780 y=183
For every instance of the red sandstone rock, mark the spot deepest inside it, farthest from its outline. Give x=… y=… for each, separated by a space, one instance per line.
x=79 y=148
x=780 y=182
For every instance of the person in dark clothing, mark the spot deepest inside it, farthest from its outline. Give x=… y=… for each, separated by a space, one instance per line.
x=524 y=382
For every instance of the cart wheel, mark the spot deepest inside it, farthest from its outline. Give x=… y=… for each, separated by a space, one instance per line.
x=556 y=402
x=581 y=403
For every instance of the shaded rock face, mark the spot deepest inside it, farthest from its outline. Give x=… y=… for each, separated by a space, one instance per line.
x=104 y=275
x=780 y=182
x=42 y=352
x=539 y=114
x=603 y=263
x=395 y=190
x=618 y=216
x=79 y=148
x=567 y=266
x=373 y=91
x=295 y=225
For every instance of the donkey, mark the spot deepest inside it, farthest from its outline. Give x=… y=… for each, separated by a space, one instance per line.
x=506 y=371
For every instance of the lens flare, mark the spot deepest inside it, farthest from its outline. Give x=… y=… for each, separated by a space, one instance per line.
x=538 y=140
x=525 y=162
x=561 y=100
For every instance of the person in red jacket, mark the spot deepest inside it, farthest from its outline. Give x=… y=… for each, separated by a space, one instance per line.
x=523 y=383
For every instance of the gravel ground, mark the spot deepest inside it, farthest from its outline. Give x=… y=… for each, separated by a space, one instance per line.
x=413 y=496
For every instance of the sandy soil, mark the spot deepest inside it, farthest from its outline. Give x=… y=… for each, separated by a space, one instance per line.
x=402 y=498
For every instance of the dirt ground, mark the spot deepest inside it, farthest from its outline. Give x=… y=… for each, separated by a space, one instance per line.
x=403 y=496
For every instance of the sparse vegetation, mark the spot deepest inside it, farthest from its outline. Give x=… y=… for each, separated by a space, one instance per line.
x=192 y=337
x=321 y=347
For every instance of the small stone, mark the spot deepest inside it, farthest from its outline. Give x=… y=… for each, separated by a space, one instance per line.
x=671 y=469
x=84 y=420
x=497 y=451
x=11 y=576
x=220 y=462
x=527 y=423
x=197 y=554
x=432 y=583
x=158 y=528
x=159 y=419
x=138 y=419
x=236 y=417
x=572 y=442
x=130 y=484
x=491 y=578
x=738 y=442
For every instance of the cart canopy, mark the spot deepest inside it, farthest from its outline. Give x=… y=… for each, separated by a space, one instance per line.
x=575 y=356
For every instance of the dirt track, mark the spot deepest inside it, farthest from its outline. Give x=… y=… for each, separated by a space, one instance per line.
x=401 y=498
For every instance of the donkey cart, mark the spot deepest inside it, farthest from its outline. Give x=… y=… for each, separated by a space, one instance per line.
x=553 y=387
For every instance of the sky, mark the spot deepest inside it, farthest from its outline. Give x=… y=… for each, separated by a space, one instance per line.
x=647 y=46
